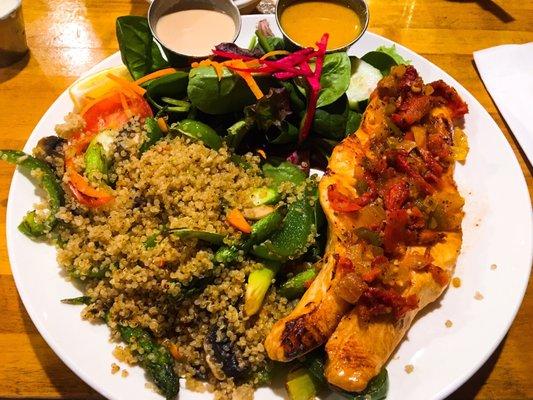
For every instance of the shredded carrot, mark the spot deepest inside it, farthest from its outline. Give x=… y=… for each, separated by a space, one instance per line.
x=274 y=53
x=127 y=84
x=125 y=105
x=254 y=87
x=173 y=349
x=248 y=78
x=162 y=124
x=237 y=220
x=262 y=153
x=125 y=91
x=86 y=200
x=253 y=64
x=156 y=74
x=210 y=63
x=81 y=184
x=90 y=104
x=218 y=69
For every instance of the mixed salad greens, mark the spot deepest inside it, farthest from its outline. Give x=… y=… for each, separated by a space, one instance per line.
x=292 y=108
x=260 y=97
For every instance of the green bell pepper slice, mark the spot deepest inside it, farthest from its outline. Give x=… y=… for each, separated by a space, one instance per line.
x=48 y=182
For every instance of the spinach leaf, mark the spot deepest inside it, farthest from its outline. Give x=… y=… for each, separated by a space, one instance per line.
x=172 y=85
x=379 y=60
x=330 y=121
x=353 y=122
x=296 y=96
x=335 y=78
x=213 y=96
x=139 y=52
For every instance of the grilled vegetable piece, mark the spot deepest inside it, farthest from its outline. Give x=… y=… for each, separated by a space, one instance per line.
x=297 y=285
x=259 y=282
x=300 y=385
x=284 y=172
x=155 y=359
x=293 y=239
x=264 y=195
x=261 y=230
x=48 y=181
x=198 y=131
x=154 y=133
x=76 y=301
x=97 y=156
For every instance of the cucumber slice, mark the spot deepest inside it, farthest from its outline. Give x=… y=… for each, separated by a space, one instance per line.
x=363 y=80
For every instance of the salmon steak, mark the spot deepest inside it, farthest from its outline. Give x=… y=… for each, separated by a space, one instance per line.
x=394 y=230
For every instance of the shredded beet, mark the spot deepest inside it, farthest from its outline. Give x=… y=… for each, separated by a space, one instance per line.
x=314 y=86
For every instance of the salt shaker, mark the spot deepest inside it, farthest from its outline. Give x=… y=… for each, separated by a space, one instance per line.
x=13 y=45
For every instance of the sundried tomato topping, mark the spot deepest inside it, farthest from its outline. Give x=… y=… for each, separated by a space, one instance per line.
x=431 y=163
x=439 y=275
x=378 y=301
x=396 y=230
x=371 y=275
x=341 y=202
x=399 y=160
x=396 y=195
x=411 y=110
x=451 y=97
x=343 y=264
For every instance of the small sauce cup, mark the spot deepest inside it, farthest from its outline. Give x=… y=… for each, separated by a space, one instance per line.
x=159 y=8
x=360 y=7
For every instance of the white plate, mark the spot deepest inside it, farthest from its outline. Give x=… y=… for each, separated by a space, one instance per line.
x=246 y=5
x=497 y=230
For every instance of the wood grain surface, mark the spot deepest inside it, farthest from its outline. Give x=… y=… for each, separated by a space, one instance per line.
x=67 y=37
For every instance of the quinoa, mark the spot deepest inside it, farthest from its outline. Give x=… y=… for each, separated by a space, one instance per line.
x=178 y=183
x=73 y=124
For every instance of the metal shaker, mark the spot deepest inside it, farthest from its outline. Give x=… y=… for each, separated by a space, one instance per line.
x=13 y=44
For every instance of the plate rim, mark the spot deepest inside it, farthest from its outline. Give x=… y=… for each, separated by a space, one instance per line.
x=64 y=356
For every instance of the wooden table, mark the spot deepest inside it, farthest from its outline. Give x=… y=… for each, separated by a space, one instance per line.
x=67 y=37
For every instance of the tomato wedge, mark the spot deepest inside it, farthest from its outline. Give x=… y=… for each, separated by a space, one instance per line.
x=111 y=111
x=340 y=202
x=114 y=110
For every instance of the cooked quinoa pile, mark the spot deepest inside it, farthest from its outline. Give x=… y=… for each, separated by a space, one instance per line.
x=137 y=274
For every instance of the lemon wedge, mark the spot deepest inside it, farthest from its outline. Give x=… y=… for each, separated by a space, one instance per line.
x=91 y=87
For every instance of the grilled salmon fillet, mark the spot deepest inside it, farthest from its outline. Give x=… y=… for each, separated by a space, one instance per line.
x=320 y=309
x=394 y=230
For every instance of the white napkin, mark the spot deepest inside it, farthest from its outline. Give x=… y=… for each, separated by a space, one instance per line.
x=507 y=72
